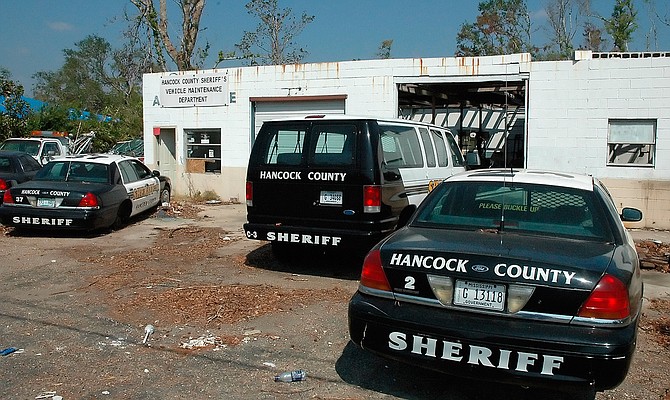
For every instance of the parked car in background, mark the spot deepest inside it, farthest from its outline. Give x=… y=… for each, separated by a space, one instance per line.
x=16 y=167
x=45 y=145
x=85 y=192
x=523 y=277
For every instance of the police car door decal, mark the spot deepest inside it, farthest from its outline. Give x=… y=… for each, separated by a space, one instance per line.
x=142 y=188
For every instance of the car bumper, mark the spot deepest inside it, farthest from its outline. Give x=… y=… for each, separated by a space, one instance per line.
x=506 y=350
x=47 y=218
x=316 y=237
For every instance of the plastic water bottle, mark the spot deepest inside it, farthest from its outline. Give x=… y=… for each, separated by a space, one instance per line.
x=292 y=376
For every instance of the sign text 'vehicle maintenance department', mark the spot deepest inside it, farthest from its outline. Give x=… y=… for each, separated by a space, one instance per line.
x=205 y=89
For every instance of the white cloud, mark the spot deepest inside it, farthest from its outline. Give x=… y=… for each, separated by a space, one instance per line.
x=60 y=26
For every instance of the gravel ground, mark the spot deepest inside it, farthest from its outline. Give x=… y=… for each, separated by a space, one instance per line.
x=226 y=316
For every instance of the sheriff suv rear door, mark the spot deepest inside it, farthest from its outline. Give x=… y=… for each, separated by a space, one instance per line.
x=306 y=173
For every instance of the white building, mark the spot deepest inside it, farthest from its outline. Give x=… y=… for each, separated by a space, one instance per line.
x=602 y=113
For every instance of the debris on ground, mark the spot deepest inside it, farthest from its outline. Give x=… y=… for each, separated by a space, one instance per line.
x=8 y=351
x=180 y=209
x=654 y=254
x=291 y=376
x=204 y=341
x=49 y=395
x=658 y=326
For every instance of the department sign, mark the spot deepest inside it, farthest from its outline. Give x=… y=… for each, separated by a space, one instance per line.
x=194 y=90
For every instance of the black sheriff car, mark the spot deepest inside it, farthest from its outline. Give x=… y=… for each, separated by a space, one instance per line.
x=515 y=276
x=84 y=192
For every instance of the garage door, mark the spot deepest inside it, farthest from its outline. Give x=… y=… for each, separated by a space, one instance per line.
x=291 y=107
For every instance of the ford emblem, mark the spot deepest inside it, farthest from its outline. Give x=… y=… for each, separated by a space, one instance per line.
x=480 y=268
x=349 y=212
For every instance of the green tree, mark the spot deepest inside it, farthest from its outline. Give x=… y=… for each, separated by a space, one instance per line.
x=97 y=79
x=502 y=27
x=621 y=24
x=16 y=109
x=384 y=51
x=273 y=41
x=81 y=82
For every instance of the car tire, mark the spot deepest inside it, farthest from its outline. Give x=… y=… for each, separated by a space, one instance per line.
x=165 y=195
x=122 y=216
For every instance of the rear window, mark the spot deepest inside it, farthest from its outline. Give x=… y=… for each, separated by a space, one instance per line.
x=324 y=145
x=539 y=209
x=29 y=164
x=284 y=146
x=67 y=171
x=333 y=144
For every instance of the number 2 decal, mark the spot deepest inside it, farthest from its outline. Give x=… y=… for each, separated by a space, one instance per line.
x=409 y=282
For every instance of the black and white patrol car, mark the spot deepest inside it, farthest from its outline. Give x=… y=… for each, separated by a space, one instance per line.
x=85 y=192
x=525 y=277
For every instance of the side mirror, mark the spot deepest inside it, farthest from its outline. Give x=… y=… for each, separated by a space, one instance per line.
x=405 y=216
x=156 y=173
x=629 y=214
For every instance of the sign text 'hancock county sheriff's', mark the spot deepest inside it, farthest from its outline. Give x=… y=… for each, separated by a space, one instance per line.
x=193 y=90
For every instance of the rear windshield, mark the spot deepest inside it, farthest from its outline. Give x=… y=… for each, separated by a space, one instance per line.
x=323 y=145
x=529 y=208
x=73 y=171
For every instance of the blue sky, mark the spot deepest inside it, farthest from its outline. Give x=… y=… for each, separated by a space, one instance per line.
x=33 y=33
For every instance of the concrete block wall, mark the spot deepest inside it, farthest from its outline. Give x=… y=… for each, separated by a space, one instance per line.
x=570 y=104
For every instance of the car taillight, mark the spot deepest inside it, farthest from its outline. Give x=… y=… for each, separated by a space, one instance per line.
x=7 y=197
x=89 y=200
x=372 y=199
x=373 y=275
x=250 y=193
x=609 y=300
x=3 y=184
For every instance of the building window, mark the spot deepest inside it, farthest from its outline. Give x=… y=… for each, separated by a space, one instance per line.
x=203 y=150
x=631 y=142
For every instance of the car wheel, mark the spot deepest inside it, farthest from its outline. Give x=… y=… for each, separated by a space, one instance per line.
x=165 y=195
x=122 y=216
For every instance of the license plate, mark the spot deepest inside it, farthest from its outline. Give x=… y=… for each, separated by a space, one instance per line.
x=489 y=296
x=46 y=203
x=331 y=197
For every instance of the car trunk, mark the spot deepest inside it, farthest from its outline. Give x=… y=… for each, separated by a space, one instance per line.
x=508 y=259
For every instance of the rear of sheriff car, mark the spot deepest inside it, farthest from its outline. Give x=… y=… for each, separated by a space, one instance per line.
x=325 y=182
x=60 y=198
x=520 y=277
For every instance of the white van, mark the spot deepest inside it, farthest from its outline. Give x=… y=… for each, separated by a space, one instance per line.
x=342 y=181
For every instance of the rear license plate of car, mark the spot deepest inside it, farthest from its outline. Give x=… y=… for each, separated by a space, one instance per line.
x=46 y=203
x=331 y=197
x=489 y=296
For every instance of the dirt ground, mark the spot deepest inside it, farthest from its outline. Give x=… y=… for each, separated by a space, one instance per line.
x=226 y=317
